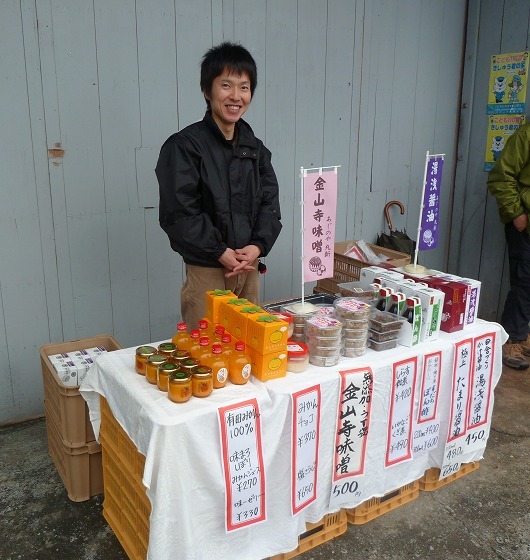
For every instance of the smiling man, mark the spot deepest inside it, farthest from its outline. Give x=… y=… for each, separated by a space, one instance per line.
x=219 y=202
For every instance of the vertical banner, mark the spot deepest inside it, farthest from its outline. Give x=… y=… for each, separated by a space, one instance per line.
x=430 y=215
x=426 y=432
x=399 y=435
x=460 y=393
x=319 y=218
x=351 y=434
x=305 y=442
x=242 y=459
x=480 y=392
x=500 y=128
x=508 y=83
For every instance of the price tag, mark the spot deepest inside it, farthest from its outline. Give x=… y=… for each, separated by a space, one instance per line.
x=242 y=456
x=305 y=441
x=452 y=462
x=477 y=438
x=399 y=435
x=426 y=437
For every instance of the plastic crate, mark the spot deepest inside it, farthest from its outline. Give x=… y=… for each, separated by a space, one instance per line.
x=329 y=527
x=348 y=269
x=375 y=507
x=66 y=407
x=80 y=468
x=431 y=479
x=126 y=506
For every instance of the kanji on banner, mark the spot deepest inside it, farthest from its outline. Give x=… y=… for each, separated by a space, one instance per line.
x=430 y=216
x=319 y=217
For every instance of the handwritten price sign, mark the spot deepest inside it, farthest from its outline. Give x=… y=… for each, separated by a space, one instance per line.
x=241 y=447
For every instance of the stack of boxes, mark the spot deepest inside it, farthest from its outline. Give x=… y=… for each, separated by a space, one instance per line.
x=264 y=334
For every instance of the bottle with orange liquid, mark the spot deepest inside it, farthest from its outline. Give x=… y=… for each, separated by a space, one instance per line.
x=205 y=350
x=194 y=346
x=181 y=338
x=218 y=333
x=206 y=328
x=226 y=341
x=239 y=365
x=218 y=361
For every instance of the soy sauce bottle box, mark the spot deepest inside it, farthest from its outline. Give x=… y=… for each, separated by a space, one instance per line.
x=453 y=312
x=432 y=302
x=368 y=274
x=409 y=334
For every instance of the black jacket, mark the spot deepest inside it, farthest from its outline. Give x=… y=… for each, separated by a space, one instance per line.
x=215 y=194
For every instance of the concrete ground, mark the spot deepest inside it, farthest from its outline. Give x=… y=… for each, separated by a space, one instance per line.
x=483 y=515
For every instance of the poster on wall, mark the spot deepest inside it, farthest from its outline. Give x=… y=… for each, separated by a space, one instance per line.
x=500 y=128
x=508 y=83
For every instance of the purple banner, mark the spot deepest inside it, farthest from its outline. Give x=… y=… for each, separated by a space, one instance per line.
x=430 y=217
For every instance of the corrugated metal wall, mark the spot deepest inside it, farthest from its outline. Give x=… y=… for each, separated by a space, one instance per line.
x=91 y=89
x=477 y=245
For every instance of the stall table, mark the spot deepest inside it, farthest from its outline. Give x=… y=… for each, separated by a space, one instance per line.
x=183 y=473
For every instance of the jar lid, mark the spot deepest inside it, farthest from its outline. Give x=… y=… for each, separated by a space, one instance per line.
x=167 y=347
x=168 y=367
x=296 y=349
x=145 y=350
x=189 y=363
x=181 y=355
x=157 y=359
x=201 y=371
x=179 y=377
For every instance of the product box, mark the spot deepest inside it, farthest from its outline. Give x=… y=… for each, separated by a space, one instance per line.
x=213 y=301
x=454 y=306
x=384 y=299
x=267 y=333
x=229 y=313
x=409 y=334
x=268 y=366
x=432 y=302
x=369 y=273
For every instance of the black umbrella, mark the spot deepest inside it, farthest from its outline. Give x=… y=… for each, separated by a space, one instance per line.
x=396 y=240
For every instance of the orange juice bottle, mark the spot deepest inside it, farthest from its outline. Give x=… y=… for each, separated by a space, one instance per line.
x=239 y=365
x=226 y=341
x=206 y=328
x=194 y=346
x=205 y=350
x=181 y=338
x=218 y=333
x=218 y=361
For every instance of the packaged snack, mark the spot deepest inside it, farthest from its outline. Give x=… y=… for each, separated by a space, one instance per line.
x=379 y=346
x=351 y=308
x=324 y=341
x=352 y=352
x=322 y=361
x=382 y=321
x=323 y=326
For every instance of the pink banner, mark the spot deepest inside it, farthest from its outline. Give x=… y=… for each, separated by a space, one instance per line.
x=320 y=210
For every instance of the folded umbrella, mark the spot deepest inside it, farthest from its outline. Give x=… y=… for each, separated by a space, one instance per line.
x=396 y=240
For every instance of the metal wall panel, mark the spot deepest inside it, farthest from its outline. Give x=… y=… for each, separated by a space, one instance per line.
x=96 y=87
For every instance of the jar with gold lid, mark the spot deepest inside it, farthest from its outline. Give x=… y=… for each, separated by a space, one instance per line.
x=179 y=386
x=163 y=372
x=142 y=353
x=167 y=348
x=151 y=366
x=188 y=364
x=201 y=381
x=179 y=356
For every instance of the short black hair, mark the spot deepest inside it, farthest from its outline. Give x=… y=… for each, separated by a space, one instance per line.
x=232 y=56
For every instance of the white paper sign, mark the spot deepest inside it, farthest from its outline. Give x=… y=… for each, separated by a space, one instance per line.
x=351 y=436
x=305 y=441
x=241 y=446
x=399 y=435
x=460 y=390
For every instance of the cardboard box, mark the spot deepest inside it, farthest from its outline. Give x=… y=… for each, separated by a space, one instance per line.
x=267 y=333
x=268 y=366
x=432 y=302
x=409 y=334
x=213 y=301
x=454 y=306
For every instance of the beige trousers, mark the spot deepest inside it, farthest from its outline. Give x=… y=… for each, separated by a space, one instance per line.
x=200 y=279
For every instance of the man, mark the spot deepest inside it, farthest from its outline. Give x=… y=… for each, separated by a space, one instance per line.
x=509 y=182
x=219 y=202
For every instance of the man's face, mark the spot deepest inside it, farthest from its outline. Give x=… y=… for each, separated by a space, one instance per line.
x=229 y=99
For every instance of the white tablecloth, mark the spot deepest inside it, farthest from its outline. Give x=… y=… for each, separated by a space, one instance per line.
x=183 y=470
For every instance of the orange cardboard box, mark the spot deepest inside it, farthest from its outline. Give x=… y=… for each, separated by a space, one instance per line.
x=268 y=366
x=213 y=301
x=267 y=333
x=229 y=315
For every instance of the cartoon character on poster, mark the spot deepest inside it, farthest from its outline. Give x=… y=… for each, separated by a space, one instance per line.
x=497 y=144
x=507 y=84
x=500 y=127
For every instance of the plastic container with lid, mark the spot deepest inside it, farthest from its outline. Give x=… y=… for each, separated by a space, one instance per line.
x=353 y=352
x=162 y=374
x=325 y=309
x=151 y=367
x=356 y=333
x=142 y=353
x=201 y=381
x=323 y=351
x=380 y=346
x=324 y=361
x=323 y=326
x=297 y=337
x=300 y=311
x=383 y=336
x=297 y=357
x=179 y=387
x=382 y=321
x=358 y=290
x=352 y=308
x=355 y=342
x=324 y=341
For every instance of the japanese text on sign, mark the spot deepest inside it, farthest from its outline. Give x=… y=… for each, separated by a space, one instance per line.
x=430 y=216
x=481 y=380
x=305 y=438
x=242 y=464
x=353 y=422
x=399 y=436
x=320 y=209
x=460 y=389
x=430 y=384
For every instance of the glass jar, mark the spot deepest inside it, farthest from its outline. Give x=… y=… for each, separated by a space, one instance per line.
x=179 y=356
x=163 y=372
x=297 y=357
x=151 y=367
x=142 y=353
x=179 y=387
x=167 y=348
x=201 y=381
